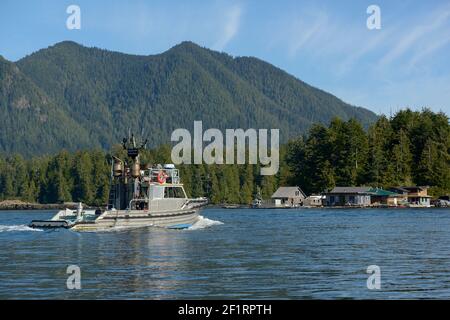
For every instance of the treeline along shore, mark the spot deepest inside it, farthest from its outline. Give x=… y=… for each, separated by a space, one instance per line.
x=410 y=148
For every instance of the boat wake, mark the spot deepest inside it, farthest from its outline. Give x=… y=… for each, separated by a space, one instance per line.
x=203 y=223
x=16 y=228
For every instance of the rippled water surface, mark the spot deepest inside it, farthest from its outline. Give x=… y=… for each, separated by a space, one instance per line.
x=281 y=254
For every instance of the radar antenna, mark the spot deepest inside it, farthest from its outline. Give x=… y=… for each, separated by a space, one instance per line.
x=132 y=146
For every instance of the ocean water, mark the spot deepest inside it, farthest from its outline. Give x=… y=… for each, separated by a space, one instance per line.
x=235 y=253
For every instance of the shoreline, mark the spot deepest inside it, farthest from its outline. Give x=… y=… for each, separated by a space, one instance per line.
x=8 y=205
x=323 y=207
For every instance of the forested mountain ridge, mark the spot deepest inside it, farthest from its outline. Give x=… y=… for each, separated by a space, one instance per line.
x=73 y=97
x=30 y=121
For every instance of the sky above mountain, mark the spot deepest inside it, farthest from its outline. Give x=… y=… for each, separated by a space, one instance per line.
x=324 y=43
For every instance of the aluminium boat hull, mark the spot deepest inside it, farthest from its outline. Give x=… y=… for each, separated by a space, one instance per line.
x=121 y=219
x=136 y=219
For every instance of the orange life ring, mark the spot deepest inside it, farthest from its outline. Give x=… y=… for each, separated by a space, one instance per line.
x=162 y=177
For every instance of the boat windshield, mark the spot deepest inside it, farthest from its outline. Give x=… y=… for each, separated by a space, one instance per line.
x=174 y=192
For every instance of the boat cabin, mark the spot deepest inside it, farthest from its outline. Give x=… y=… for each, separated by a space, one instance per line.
x=147 y=190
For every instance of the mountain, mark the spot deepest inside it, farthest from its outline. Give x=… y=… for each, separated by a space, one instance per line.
x=31 y=123
x=70 y=96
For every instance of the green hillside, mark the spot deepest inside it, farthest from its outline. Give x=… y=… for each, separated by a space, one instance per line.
x=70 y=96
x=31 y=122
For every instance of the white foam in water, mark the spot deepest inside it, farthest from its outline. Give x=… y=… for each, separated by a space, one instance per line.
x=19 y=227
x=204 y=223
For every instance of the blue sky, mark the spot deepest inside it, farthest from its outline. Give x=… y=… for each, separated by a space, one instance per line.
x=324 y=43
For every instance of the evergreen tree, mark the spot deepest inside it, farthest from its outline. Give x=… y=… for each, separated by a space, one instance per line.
x=401 y=159
x=215 y=191
x=378 y=171
x=84 y=187
x=247 y=183
x=268 y=186
x=100 y=178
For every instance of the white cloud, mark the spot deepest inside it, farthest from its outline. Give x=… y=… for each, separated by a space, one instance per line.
x=230 y=28
x=368 y=45
x=420 y=32
x=370 y=67
x=304 y=30
x=432 y=46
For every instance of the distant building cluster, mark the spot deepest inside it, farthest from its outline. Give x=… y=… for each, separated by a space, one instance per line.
x=404 y=196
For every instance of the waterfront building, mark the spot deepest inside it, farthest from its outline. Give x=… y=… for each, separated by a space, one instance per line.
x=386 y=198
x=416 y=196
x=314 y=200
x=402 y=194
x=348 y=196
x=288 y=197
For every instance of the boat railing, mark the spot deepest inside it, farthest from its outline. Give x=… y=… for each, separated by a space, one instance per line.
x=171 y=175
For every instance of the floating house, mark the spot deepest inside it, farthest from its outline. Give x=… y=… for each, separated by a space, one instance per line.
x=367 y=196
x=414 y=196
x=288 y=197
x=402 y=195
x=348 y=196
x=385 y=197
x=314 y=200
